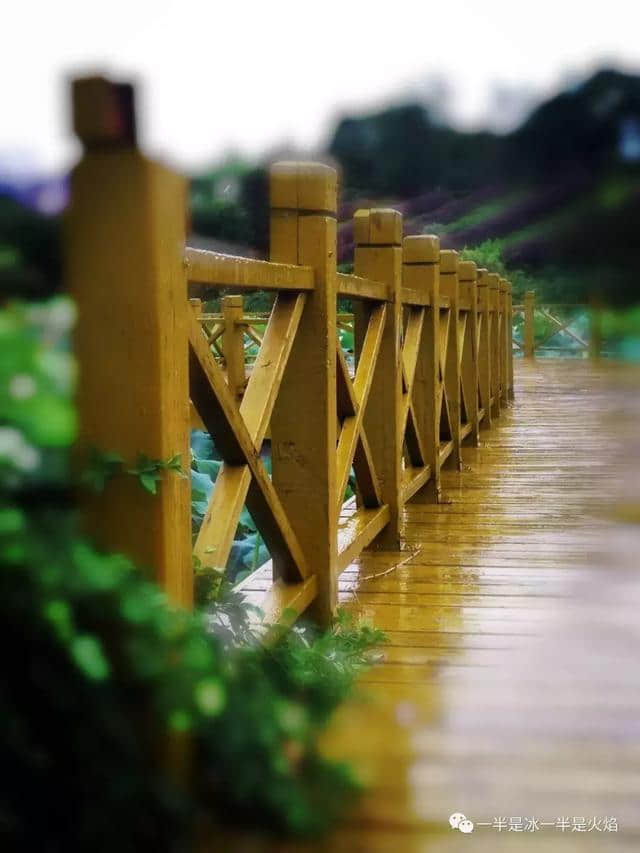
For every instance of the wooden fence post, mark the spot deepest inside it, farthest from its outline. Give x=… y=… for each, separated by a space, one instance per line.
x=469 y=374
x=125 y=239
x=421 y=272
x=504 y=338
x=494 y=345
x=233 y=343
x=509 y=339
x=194 y=418
x=529 y=311
x=449 y=287
x=378 y=256
x=304 y=419
x=484 y=345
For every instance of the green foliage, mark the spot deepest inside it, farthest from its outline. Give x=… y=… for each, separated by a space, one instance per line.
x=487 y=255
x=36 y=373
x=347 y=341
x=149 y=471
x=482 y=213
x=37 y=421
x=113 y=669
x=404 y=149
x=621 y=324
x=323 y=663
x=231 y=203
x=550 y=284
x=232 y=618
x=101 y=466
x=30 y=252
x=222 y=219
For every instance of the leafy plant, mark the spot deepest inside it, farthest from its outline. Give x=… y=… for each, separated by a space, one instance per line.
x=113 y=670
x=149 y=471
x=102 y=466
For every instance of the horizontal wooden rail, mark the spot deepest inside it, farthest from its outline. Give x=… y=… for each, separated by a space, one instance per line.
x=217 y=270
x=361 y=288
x=352 y=434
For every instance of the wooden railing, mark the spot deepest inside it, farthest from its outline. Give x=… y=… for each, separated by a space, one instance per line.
x=432 y=364
x=557 y=319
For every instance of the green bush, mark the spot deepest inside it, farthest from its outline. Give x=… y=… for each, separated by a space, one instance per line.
x=100 y=672
x=550 y=284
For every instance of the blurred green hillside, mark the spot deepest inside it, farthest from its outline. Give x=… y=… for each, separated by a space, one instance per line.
x=556 y=202
x=558 y=199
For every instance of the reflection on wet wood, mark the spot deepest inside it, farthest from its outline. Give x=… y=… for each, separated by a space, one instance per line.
x=510 y=685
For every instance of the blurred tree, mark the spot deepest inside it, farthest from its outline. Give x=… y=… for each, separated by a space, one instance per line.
x=30 y=260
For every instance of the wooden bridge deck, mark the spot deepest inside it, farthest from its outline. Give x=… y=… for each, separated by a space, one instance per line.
x=511 y=684
x=510 y=687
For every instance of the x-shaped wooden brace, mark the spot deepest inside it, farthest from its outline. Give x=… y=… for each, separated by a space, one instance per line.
x=514 y=314
x=415 y=456
x=353 y=447
x=559 y=327
x=466 y=389
x=238 y=432
x=442 y=404
x=481 y=329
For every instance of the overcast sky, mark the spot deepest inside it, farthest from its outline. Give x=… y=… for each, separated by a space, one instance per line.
x=249 y=76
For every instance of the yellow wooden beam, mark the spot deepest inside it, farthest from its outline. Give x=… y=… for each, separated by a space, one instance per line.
x=494 y=341
x=421 y=274
x=233 y=344
x=304 y=421
x=214 y=269
x=355 y=287
x=125 y=233
x=485 y=322
x=378 y=255
x=358 y=532
x=449 y=288
x=469 y=372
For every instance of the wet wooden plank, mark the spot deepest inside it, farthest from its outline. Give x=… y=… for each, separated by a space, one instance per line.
x=510 y=682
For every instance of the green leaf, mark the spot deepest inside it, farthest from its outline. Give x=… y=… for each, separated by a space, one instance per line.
x=87 y=653
x=149 y=482
x=210 y=696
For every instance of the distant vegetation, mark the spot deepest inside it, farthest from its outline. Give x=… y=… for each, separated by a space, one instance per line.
x=559 y=197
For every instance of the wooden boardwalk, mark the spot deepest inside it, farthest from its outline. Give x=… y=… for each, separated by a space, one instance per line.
x=511 y=684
